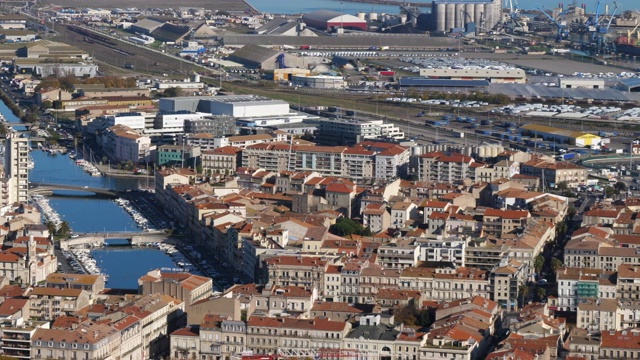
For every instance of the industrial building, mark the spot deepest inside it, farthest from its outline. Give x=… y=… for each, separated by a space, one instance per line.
x=514 y=76
x=423 y=83
x=285 y=74
x=456 y=14
x=327 y=20
x=319 y=81
x=561 y=136
x=231 y=105
x=264 y=58
x=581 y=83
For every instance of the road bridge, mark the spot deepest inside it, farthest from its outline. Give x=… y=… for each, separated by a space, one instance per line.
x=98 y=239
x=36 y=187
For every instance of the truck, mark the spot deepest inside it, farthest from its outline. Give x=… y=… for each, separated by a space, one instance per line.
x=486 y=122
x=305 y=47
x=567 y=156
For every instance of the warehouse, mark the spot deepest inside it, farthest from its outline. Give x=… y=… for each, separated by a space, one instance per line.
x=231 y=105
x=328 y=20
x=422 y=83
x=581 y=83
x=563 y=136
x=319 y=81
x=513 y=76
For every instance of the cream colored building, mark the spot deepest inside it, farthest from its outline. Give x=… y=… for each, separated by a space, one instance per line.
x=88 y=341
x=445 y=284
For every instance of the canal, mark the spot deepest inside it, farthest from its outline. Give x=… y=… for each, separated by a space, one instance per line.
x=123 y=265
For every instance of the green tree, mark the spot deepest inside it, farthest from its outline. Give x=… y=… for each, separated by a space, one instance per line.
x=346 y=227
x=51 y=227
x=620 y=186
x=610 y=192
x=561 y=228
x=556 y=264
x=541 y=293
x=562 y=185
x=64 y=229
x=172 y=92
x=538 y=263
x=571 y=212
x=523 y=291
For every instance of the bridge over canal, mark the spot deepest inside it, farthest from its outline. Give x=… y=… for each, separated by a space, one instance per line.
x=38 y=187
x=98 y=239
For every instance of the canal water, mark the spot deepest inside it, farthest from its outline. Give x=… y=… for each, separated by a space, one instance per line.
x=123 y=265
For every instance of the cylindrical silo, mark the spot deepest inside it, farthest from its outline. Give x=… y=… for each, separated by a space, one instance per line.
x=482 y=152
x=471 y=13
x=488 y=16
x=441 y=14
x=373 y=16
x=361 y=16
x=450 y=19
x=459 y=15
x=478 y=10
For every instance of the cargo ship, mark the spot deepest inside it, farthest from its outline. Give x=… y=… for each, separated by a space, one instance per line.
x=628 y=44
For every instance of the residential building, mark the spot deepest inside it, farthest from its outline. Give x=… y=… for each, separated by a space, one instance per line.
x=16 y=170
x=94 y=284
x=399 y=254
x=183 y=286
x=553 y=173
x=596 y=315
x=621 y=344
x=48 y=303
x=123 y=144
x=303 y=271
x=88 y=341
x=223 y=160
x=576 y=285
x=185 y=343
x=445 y=284
x=17 y=339
x=270 y=335
x=498 y=222
x=443 y=167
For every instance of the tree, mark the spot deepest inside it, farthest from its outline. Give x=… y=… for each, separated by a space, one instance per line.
x=541 y=293
x=51 y=227
x=407 y=315
x=172 y=92
x=571 y=212
x=610 y=192
x=562 y=185
x=538 y=263
x=620 y=186
x=64 y=229
x=346 y=227
x=556 y=264
x=561 y=228
x=523 y=291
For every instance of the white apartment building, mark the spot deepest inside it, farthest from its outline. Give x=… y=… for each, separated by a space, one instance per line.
x=443 y=251
x=133 y=120
x=16 y=169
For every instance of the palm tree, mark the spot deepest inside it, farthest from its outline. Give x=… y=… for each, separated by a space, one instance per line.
x=65 y=229
x=51 y=227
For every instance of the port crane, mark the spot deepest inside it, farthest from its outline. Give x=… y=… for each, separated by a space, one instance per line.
x=514 y=22
x=560 y=23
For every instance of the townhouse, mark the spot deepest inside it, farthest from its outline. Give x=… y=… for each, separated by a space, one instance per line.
x=183 y=286
x=303 y=271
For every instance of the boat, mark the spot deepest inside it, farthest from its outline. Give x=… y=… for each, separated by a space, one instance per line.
x=629 y=44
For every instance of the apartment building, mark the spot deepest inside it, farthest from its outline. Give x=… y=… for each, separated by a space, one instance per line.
x=447 y=250
x=445 y=167
x=223 y=160
x=88 y=341
x=628 y=282
x=16 y=169
x=621 y=344
x=94 y=284
x=47 y=303
x=553 y=173
x=221 y=337
x=270 y=335
x=598 y=315
x=371 y=336
x=122 y=144
x=303 y=271
x=400 y=254
x=496 y=222
x=183 y=286
x=577 y=285
x=445 y=284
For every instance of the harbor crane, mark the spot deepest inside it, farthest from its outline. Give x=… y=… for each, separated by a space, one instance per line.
x=515 y=21
x=560 y=23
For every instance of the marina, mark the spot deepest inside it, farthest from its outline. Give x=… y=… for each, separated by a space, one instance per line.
x=142 y=221
x=88 y=167
x=49 y=213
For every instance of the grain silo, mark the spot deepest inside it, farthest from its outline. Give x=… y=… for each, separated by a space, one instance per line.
x=448 y=14
x=450 y=17
x=440 y=17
